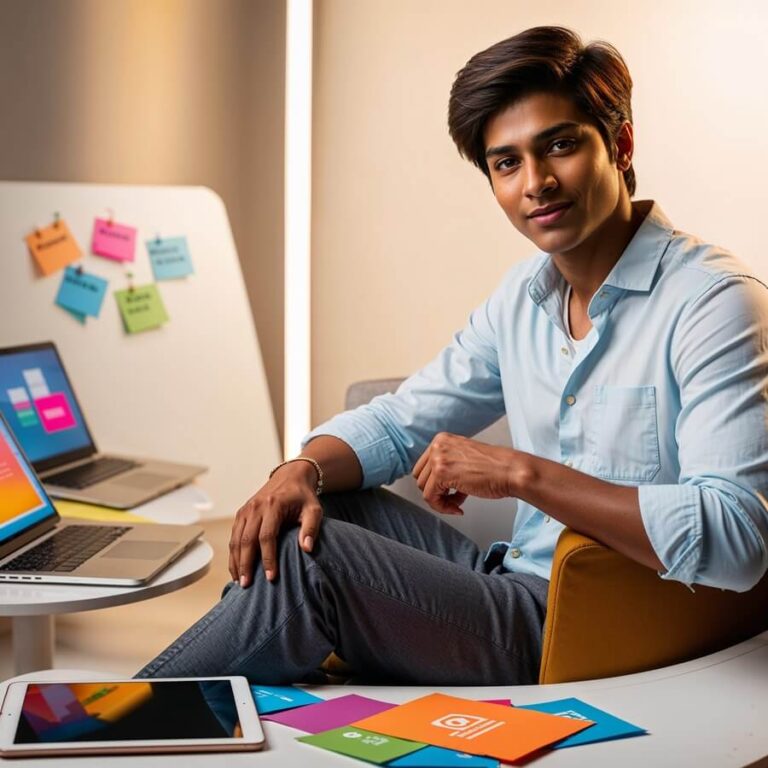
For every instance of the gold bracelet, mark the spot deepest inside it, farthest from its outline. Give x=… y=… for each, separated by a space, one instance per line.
x=320 y=475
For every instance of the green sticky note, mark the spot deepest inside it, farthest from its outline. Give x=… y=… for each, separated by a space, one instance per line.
x=364 y=745
x=141 y=308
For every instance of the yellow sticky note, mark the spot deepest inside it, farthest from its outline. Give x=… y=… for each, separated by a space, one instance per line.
x=53 y=247
x=82 y=511
x=141 y=308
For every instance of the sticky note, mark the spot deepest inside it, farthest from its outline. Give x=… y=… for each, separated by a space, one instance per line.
x=55 y=413
x=606 y=726
x=330 y=714
x=475 y=727
x=81 y=293
x=274 y=698
x=141 y=308
x=361 y=744
x=113 y=241
x=437 y=757
x=53 y=247
x=170 y=258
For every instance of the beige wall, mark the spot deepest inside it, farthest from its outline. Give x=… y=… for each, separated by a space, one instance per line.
x=407 y=237
x=158 y=92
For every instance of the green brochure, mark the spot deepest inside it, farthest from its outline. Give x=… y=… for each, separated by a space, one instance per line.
x=364 y=745
x=141 y=308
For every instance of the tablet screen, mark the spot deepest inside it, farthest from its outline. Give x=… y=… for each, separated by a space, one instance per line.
x=128 y=711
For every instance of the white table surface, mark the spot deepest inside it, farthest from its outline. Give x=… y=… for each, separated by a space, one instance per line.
x=708 y=713
x=32 y=606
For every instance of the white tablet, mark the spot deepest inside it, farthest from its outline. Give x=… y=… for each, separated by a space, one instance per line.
x=213 y=714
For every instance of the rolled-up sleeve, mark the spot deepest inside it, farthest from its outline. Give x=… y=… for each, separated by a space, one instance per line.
x=459 y=391
x=712 y=527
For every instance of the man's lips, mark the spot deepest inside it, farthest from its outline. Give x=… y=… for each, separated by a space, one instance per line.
x=547 y=209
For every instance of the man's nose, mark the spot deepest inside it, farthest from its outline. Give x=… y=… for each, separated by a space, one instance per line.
x=539 y=179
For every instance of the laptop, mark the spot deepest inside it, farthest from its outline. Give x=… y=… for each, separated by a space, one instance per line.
x=40 y=406
x=36 y=545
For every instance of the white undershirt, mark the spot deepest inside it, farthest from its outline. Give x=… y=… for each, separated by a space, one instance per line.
x=575 y=344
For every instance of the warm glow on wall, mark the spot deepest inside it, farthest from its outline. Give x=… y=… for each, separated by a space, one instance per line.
x=298 y=176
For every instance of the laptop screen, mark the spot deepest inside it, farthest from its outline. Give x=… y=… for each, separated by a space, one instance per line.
x=23 y=502
x=40 y=406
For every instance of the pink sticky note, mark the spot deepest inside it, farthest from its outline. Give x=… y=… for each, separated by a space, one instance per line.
x=330 y=714
x=113 y=241
x=54 y=412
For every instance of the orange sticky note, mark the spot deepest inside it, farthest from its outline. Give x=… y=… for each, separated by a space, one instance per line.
x=53 y=247
x=473 y=727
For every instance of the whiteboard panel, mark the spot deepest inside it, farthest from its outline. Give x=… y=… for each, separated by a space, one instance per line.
x=193 y=390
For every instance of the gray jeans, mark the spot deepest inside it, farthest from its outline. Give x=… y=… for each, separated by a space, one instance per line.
x=396 y=592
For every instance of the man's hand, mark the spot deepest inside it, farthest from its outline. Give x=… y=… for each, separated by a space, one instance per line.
x=288 y=497
x=454 y=467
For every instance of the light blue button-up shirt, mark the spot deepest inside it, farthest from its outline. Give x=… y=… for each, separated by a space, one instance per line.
x=668 y=392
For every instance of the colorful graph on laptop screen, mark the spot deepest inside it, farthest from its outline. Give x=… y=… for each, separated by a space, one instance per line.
x=39 y=405
x=22 y=500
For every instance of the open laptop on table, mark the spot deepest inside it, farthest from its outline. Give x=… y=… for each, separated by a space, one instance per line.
x=39 y=404
x=36 y=545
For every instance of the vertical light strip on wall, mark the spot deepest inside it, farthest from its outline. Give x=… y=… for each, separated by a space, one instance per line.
x=298 y=212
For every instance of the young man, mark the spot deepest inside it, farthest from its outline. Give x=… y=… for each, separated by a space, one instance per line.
x=632 y=362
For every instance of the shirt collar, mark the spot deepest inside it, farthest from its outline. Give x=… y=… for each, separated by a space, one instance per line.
x=635 y=269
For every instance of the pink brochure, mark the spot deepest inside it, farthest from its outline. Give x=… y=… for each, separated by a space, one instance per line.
x=326 y=715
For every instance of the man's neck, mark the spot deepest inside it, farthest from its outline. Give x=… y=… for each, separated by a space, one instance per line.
x=586 y=267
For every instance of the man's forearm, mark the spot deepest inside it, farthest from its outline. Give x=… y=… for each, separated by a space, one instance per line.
x=604 y=511
x=340 y=465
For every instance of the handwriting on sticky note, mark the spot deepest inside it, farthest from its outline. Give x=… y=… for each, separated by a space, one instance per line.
x=170 y=258
x=81 y=293
x=53 y=247
x=113 y=241
x=141 y=308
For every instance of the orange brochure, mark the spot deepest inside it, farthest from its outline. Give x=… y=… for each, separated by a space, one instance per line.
x=474 y=727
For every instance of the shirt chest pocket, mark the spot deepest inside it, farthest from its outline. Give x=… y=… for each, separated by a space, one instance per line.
x=624 y=433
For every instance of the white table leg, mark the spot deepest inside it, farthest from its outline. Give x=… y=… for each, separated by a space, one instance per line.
x=32 y=643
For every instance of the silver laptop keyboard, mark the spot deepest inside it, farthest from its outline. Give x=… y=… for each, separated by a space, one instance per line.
x=91 y=473
x=67 y=549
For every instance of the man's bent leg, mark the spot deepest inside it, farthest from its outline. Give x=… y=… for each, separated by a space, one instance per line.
x=392 y=611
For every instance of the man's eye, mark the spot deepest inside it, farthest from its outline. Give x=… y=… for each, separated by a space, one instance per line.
x=505 y=164
x=563 y=144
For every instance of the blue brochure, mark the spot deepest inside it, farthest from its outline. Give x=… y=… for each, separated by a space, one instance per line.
x=606 y=726
x=437 y=757
x=81 y=293
x=271 y=698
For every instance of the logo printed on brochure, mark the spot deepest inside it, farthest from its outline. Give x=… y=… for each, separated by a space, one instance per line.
x=467 y=726
x=370 y=739
x=572 y=713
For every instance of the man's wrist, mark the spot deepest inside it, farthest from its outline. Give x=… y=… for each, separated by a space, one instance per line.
x=522 y=473
x=304 y=467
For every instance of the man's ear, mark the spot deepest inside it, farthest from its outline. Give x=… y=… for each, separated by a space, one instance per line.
x=625 y=146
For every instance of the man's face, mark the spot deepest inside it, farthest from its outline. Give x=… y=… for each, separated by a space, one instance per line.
x=544 y=152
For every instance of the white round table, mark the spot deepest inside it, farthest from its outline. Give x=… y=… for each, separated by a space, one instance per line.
x=33 y=606
x=708 y=713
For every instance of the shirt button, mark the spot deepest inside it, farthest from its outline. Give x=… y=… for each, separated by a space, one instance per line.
x=547 y=518
x=564 y=350
x=570 y=399
x=603 y=294
x=568 y=463
x=515 y=552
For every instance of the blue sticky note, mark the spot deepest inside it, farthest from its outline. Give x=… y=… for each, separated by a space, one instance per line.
x=170 y=258
x=271 y=698
x=438 y=757
x=81 y=293
x=606 y=726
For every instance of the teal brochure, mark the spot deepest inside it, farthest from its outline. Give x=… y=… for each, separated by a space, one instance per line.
x=606 y=726
x=271 y=698
x=438 y=757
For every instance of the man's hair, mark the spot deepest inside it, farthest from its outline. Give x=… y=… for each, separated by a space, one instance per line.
x=552 y=59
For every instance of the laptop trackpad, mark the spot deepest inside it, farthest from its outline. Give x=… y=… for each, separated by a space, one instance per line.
x=142 y=480
x=140 y=550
